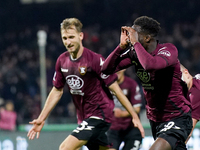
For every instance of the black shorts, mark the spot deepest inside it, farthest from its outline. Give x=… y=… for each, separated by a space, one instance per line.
x=132 y=138
x=175 y=131
x=94 y=131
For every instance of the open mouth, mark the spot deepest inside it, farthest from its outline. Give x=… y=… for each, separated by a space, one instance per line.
x=70 y=47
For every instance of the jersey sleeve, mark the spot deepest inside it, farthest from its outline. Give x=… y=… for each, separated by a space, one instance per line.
x=58 y=78
x=107 y=79
x=117 y=60
x=196 y=113
x=196 y=102
x=165 y=56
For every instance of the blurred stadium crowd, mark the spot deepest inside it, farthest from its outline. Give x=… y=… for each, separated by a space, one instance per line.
x=19 y=54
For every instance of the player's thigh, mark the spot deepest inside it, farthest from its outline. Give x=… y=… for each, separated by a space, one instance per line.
x=160 y=144
x=72 y=143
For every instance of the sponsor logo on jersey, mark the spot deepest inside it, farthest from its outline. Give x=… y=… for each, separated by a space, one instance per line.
x=74 y=82
x=143 y=75
x=64 y=70
x=134 y=62
x=162 y=48
x=82 y=70
x=164 y=52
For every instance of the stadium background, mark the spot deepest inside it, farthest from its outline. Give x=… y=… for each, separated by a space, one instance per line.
x=20 y=20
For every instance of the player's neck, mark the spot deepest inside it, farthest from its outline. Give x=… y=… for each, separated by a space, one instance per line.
x=77 y=54
x=190 y=83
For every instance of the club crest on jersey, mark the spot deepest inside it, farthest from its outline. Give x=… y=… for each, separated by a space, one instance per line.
x=82 y=70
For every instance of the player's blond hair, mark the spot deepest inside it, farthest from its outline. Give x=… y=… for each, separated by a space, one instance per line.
x=68 y=23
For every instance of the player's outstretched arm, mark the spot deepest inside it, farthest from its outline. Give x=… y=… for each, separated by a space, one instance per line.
x=52 y=99
x=125 y=102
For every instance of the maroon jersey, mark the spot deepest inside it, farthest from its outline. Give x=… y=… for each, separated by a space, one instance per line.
x=131 y=89
x=87 y=85
x=194 y=95
x=160 y=75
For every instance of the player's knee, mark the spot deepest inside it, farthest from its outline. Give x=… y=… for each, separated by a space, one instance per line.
x=63 y=147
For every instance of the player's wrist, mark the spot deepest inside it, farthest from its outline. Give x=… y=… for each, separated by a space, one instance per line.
x=134 y=42
x=122 y=46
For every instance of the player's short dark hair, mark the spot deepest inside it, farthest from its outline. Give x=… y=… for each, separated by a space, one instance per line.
x=148 y=25
x=69 y=22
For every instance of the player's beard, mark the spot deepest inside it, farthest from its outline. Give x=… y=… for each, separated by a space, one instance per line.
x=74 y=49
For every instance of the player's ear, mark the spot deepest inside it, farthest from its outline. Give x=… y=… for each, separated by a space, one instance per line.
x=147 y=38
x=81 y=35
x=186 y=71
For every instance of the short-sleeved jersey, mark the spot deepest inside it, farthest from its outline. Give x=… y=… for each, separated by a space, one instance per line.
x=131 y=90
x=194 y=95
x=87 y=85
x=163 y=89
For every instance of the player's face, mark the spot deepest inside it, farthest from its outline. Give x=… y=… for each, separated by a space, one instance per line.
x=141 y=36
x=72 y=39
x=141 y=39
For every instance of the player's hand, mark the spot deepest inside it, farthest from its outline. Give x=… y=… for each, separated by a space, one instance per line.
x=138 y=125
x=36 y=128
x=132 y=34
x=124 y=39
x=118 y=112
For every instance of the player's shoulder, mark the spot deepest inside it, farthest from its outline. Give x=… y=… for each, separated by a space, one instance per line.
x=64 y=55
x=168 y=46
x=197 y=76
x=196 y=81
x=167 y=49
x=92 y=54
